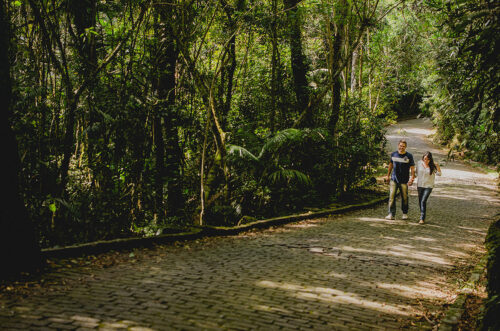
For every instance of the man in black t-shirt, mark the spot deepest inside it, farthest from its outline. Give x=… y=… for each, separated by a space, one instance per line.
x=398 y=176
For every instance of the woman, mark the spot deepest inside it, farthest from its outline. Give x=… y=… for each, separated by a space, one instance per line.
x=426 y=173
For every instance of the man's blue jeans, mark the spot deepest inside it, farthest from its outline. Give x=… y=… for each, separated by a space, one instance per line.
x=393 y=189
x=423 y=195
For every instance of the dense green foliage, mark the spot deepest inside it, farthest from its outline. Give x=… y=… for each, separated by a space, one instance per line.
x=465 y=93
x=490 y=319
x=133 y=116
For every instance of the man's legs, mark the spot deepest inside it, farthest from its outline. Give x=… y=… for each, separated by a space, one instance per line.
x=404 y=197
x=393 y=188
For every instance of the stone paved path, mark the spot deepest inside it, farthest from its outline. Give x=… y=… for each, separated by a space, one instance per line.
x=356 y=271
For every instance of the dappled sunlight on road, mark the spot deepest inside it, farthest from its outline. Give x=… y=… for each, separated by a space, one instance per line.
x=339 y=275
x=432 y=241
x=413 y=291
x=382 y=223
x=419 y=289
x=452 y=194
x=410 y=254
x=424 y=239
x=419 y=131
x=302 y=225
x=84 y=321
x=272 y=309
x=331 y=295
x=473 y=230
x=460 y=174
x=381 y=220
x=467 y=246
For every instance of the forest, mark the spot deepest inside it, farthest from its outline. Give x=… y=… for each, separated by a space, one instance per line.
x=132 y=117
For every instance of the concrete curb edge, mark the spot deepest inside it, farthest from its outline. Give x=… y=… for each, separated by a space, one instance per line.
x=196 y=233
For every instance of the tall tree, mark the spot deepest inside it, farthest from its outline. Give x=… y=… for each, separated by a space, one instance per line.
x=83 y=13
x=166 y=134
x=298 y=59
x=18 y=245
x=274 y=64
x=336 y=64
x=229 y=60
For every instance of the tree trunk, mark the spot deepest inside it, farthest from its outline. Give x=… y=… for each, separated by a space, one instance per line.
x=206 y=90
x=229 y=62
x=229 y=73
x=69 y=139
x=159 y=152
x=84 y=18
x=336 y=83
x=274 y=65
x=18 y=245
x=169 y=154
x=298 y=60
x=354 y=60
x=336 y=67
x=361 y=62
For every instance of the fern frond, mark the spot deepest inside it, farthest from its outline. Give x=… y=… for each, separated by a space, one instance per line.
x=317 y=134
x=282 y=139
x=237 y=152
x=287 y=176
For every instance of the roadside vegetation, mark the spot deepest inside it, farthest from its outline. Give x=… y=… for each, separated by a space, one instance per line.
x=131 y=117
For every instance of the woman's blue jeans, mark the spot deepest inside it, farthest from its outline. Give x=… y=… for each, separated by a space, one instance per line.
x=393 y=190
x=423 y=195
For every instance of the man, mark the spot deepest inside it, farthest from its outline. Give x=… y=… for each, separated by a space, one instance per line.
x=398 y=176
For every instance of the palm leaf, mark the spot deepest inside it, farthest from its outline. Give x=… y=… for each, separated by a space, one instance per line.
x=235 y=152
x=287 y=176
x=280 y=140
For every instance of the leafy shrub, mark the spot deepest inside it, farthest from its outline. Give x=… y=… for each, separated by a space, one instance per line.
x=490 y=319
x=466 y=103
x=298 y=168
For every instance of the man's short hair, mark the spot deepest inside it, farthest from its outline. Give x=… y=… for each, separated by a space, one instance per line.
x=404 y=142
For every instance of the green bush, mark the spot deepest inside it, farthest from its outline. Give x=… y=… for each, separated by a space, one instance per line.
x=490 y=320
x=298 y=168
x=465 y=100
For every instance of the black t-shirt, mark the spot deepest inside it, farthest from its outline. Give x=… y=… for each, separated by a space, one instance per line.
x=401 y=167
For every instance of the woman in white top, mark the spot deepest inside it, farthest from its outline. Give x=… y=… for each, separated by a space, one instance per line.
x=426 y=173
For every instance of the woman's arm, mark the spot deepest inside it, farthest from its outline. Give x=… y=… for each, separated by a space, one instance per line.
x=438 y=169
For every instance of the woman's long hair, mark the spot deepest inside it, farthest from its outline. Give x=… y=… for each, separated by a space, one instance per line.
x=432 y=165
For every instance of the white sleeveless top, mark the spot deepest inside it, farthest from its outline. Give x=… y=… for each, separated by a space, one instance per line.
x=424 y=177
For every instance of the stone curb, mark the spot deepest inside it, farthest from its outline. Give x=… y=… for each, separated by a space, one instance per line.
x=457 y=308
x=221 y=231
x=196 y=233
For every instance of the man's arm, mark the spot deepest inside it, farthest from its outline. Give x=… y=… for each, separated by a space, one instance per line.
x=388 y=178
x=412 y=171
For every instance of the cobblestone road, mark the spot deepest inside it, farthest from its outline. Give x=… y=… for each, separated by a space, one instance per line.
x=356 y=271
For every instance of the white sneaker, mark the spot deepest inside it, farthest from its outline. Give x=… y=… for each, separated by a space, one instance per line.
x=389 y=217
x=405 y=216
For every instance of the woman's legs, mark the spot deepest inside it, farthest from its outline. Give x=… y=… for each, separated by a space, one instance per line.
x=423 y=195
